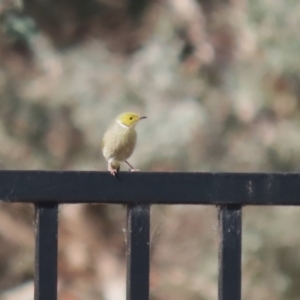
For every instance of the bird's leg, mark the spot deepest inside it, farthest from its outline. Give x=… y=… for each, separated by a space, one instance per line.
x=130 y=166
x=113 y=170
x=132 y=169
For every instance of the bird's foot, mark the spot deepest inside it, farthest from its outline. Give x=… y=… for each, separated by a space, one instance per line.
x=113 y=172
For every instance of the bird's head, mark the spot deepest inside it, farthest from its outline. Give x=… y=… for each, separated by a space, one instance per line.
x=128 y=119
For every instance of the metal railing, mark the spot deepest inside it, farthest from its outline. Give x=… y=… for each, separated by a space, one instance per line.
x=228 y=191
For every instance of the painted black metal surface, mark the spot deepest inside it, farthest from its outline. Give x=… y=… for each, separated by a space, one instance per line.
x=230 y=230
x=45 y=287
x=230 y=191
x=138 y=245
x=156 y=188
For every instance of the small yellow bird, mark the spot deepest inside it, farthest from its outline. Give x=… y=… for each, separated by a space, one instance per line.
x=119 y=141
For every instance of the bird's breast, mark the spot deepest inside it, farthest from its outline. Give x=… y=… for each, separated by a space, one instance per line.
x=119 y=143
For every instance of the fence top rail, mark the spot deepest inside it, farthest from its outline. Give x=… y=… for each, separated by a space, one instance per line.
x=155 y=188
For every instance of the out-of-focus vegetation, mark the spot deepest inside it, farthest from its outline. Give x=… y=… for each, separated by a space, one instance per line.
x=220 y=84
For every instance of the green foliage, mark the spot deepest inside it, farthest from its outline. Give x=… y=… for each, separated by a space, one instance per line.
x=19 y=27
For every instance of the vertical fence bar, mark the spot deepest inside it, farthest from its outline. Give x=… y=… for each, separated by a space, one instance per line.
x=230 y=226
x=138 y=264
x=46 y=222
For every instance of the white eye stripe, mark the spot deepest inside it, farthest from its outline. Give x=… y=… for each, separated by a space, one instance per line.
x=122 y=125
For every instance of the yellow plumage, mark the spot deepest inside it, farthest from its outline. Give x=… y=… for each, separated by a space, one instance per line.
x=119 y=141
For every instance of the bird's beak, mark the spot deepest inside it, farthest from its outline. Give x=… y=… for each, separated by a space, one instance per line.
x=144 y=117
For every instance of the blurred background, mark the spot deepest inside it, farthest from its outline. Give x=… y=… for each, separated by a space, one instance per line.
x=220 y=83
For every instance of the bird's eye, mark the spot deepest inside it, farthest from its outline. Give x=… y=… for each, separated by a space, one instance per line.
x=130 y=118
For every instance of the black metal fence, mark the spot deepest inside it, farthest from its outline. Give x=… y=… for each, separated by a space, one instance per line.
x=228 y=191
